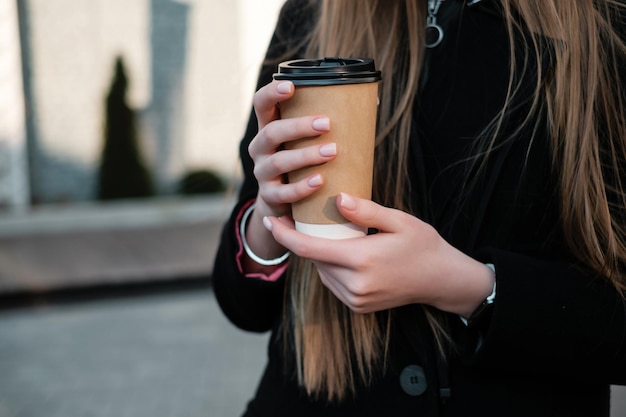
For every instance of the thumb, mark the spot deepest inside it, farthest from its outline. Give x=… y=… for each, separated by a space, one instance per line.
x=369 y=214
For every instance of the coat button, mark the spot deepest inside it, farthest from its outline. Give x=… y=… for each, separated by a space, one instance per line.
x=413 y=380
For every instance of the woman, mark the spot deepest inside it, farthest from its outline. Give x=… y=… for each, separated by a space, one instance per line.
x=494 y=284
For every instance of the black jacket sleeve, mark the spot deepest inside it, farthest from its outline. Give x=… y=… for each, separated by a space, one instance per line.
x=552 y=315
x=251 y=303
x=553 y=318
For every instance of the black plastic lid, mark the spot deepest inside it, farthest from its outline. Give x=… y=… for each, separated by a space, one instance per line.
x=328 y=71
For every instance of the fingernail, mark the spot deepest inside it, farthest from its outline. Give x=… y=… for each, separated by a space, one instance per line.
x=284 y=87
x=330 y=149
x=315 y=181
x=347 y=202
x=321 y=124
x=267 y=223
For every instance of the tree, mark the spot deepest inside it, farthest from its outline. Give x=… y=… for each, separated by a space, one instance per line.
x=122 y=172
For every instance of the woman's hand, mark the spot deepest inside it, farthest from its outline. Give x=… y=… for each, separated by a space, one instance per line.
x=271 y=164
x=406 y=262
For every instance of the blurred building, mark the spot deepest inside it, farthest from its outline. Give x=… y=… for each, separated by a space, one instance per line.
x=14 y=190
x=191 y=65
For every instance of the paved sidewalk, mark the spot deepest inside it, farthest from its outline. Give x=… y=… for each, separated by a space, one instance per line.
x=164 y=355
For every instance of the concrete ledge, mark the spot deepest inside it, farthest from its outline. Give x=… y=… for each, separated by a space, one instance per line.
x=56 y=248
x=123 y=214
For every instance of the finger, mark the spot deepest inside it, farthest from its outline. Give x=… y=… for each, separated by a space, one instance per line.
x=286 y=130
x=278 y=193
x=370 y=214
x=344 y=288
x=334 y=285
x=267 y=97
x=287 y=161
x=314 y=248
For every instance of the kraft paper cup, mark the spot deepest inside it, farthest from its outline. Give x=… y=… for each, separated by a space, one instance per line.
x=346 y=90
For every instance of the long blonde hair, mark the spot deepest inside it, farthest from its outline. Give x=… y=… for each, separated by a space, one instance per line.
x=337 y=349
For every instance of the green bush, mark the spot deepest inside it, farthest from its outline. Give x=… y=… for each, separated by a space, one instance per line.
x=201 y=181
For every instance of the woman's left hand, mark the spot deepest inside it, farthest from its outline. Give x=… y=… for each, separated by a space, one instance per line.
x=406 y=262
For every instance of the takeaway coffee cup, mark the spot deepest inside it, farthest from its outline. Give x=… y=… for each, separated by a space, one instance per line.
x=346 y=90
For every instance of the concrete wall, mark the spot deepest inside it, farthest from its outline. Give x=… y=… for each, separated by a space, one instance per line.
x=191 y=65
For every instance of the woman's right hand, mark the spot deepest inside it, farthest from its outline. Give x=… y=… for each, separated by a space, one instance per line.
x=271 y=163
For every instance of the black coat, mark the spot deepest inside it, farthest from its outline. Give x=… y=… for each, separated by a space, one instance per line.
x=556 y=337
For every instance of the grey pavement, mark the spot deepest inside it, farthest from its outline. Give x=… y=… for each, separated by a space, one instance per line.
x=163 y=355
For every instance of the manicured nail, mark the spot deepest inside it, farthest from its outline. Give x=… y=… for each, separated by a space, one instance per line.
x=330 y=149
x=267 y=223
x=315 y=181
x=347 y=202
x=321 y=124
x=284 y=87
